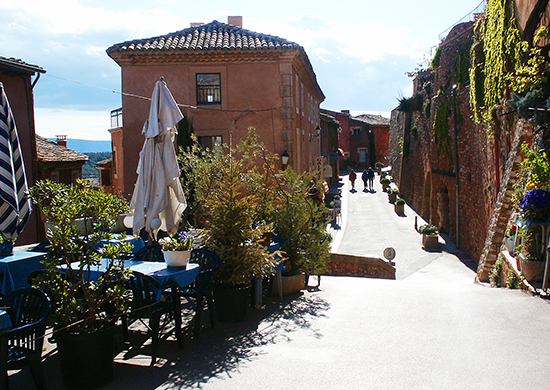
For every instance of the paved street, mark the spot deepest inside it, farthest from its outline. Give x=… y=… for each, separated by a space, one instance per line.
x=432 y=328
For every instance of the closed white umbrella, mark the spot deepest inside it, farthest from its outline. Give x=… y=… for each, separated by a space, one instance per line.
x=15 y=203
x=158 y=201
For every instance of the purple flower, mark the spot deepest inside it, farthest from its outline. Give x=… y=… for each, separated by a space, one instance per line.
x=536 y=200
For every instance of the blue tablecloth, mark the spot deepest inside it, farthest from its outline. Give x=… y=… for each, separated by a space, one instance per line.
x=5 y=321
x=167 y=277
x=138 y=243
x=15 y=268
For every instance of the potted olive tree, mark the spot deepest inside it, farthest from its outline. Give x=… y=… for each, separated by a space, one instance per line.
x=399 y=206
x=86 y=308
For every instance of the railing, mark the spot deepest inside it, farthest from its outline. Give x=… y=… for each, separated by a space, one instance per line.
x=116 y=118
x=472 y=16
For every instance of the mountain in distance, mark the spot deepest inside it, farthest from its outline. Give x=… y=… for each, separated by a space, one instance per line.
x=86 y=146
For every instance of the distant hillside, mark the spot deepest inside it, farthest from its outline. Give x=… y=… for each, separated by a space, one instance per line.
x=89 y=169
x=87 y=146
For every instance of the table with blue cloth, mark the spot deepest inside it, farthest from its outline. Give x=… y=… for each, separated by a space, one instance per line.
x=15 y=268
x=5 y=321
x=137 y=242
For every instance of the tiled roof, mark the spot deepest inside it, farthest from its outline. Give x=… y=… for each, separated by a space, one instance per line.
x=20 y=65
x=375 y=120
x=211 y=36
x=48 y=151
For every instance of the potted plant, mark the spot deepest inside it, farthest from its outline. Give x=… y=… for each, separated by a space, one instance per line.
x=177 y=249
x=6 y=246
x=399 y=206
x=227 y=188
x=300 y=220
x=430 y=236
x=393 y=193
x=87 y=310
x=378 y=166
x=385 y=181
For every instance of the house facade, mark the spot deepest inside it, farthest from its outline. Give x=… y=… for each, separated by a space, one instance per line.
x=17 y=77
x=225 y=79
x=58 y=163
x=363 y=140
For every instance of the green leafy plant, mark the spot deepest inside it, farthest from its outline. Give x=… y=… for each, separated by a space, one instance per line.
x=82 y=305
x=400 y=202
x=428 y=229
x=182 y=241
x=496 y=272
x=385 y=180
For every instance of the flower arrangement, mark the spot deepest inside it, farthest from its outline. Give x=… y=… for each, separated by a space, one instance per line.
x=428 y=229
x=182 y=241
x=536 y=204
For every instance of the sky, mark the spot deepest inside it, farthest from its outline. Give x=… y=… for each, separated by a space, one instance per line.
x=360 y=50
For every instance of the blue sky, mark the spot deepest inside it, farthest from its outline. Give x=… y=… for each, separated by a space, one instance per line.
x=359 y=49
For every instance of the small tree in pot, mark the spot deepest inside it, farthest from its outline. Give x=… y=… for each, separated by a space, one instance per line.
x=86 y=310
x=430 y=237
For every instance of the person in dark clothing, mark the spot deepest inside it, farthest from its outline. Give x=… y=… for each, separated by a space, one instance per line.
x=365 y=178
x=370 y=176
x=352 y=176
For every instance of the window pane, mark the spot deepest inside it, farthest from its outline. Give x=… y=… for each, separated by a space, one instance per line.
x=209 y=88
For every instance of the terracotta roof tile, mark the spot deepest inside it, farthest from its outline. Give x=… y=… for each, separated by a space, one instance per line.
x=48 y=151
x=211 y=36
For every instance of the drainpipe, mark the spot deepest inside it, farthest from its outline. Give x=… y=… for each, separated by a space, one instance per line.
x=456 y=163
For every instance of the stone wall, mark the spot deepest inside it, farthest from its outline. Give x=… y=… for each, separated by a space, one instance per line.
x=368 y=267
x=450 y=170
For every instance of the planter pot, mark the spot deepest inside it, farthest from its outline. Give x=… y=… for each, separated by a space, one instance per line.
x=231 y=302
x=385 y=186
x=6 y=249
x=392 y=197
x=176 y=259
x=291 y=284
x=86 y=360
x=399 y=209
x=430 y=241
x=532 y=270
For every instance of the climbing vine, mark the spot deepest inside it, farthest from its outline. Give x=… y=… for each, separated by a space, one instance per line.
x=499 y=51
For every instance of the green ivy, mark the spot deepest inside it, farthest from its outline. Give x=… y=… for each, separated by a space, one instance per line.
x=502 y=52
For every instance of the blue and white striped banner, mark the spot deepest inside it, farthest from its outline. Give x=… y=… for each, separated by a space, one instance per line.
x=15 y=203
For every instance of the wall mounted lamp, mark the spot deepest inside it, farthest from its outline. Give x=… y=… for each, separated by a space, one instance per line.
x=317 y=133
x=284 y=159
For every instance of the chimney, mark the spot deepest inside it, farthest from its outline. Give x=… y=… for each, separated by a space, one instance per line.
x=196 y=24
x=345 y=112
x=235 y=21
x=62 y=140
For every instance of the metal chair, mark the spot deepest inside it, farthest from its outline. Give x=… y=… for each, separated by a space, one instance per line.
x=21 y=345
x=146 y=304
x=151 y=252
x=201 y=289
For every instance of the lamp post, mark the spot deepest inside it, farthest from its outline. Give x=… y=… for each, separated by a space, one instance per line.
x=284 y=159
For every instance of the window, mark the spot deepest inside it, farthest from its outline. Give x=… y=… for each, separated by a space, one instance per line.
x=209 y=88
x=54 y=176
x=362 y=155
x=356 y=131
x=211 y=142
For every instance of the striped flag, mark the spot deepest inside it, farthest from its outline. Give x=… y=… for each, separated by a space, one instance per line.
x=15 y=203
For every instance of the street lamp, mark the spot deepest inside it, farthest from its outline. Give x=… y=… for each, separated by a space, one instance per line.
x=284 y=159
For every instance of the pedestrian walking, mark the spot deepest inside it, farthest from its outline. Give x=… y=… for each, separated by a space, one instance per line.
x=352 y=176
x=370 y=177
x=365 y=178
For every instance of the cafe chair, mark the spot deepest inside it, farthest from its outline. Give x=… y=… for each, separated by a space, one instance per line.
x=151 y=252
x=21 y=345
x=146 y=303
x=201 y=289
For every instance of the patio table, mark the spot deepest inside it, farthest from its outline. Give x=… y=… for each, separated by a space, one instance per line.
x=137 y=242
x=15 y=268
